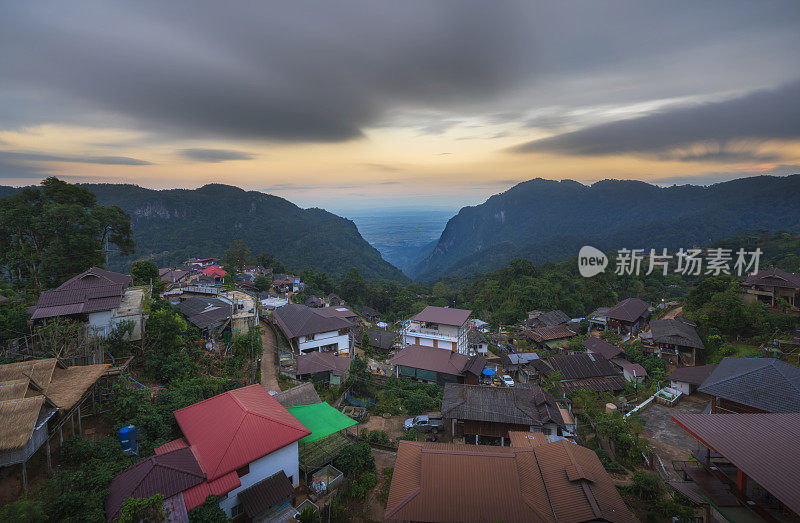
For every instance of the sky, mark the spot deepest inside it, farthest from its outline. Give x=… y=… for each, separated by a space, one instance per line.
x=358 y=105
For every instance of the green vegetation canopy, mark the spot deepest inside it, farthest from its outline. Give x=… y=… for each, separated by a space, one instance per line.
x=321 y=419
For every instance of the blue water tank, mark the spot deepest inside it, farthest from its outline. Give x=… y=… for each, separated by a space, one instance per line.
x=127 y=437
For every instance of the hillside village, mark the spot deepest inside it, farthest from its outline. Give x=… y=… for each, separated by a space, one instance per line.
x=222 y=389
x=236 y=387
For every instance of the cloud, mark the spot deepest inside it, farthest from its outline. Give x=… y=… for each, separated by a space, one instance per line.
x=43 y=157
x=214 y=155
x=721 y=127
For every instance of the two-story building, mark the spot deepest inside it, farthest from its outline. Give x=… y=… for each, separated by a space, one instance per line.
x=439 y=327
x=243 y=447
x=771 y=285
x=310 y=329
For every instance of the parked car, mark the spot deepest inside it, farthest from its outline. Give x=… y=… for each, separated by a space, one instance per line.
x=507 y=380
x=425 y=422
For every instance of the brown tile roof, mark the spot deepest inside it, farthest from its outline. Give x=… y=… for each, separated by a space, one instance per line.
x=629 y=309
x=581 y=365
x=92 y=291
x=692 y=375
x=676 y=331
x=633 y=368
x=554 y=482
x=169 y=474
x=602 y=347
x=596 y=384
x=546 y=319
x=298 y=320
x=554 y=332
x=437 y=360
x=265 y=494
x=443 y=315
x=313 y=362
x=763 y=446
x=775 y=278
x=520 y=405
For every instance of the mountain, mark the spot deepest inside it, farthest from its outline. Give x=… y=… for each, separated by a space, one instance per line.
x=172 y=225
x=546 y=220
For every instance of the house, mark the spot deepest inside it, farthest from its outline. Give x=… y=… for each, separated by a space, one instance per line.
x=383 y=340
x=602 y=348
x=314 y=301
x=688 y=379
x=334 y=299
x=37 y=398
x=174 y=275
x=538 y=319
x=753 y=385
x=339 y=311
x=748 y=467
x=438 y=366
x=310 y=329
x=480 y=325
x=550 y=482
x=481 y=411
x=215 y=272
x=628 y=316
x=517 y=364
x=769 y=286
x=211 y=316
x=370 y=314
x=99 y=298
x=587 y=371
x=200 y=262
x=476 y=343
x=438 y=327
x=630 y=371
x=675 y=340
x=553 y=337
x=272 y=302
x=286 y=283
x=322 y=366
x=598 y=318
x=244 y=313
x=246 y=444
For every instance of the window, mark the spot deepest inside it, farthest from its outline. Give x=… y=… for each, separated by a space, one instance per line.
x=310 y=337
x=243 y=471
x=236 y=510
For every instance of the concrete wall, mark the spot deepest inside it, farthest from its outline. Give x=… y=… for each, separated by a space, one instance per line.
x=323 y=339
x=681 y=386
x=285 y=459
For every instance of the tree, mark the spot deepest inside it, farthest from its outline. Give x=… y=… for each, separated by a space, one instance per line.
x=208 y=512
x=13 y=317
x=139 y=510
x=236 y=255
x=144 y=272
x=54 y=232
x=353 y=288
x=262 y=283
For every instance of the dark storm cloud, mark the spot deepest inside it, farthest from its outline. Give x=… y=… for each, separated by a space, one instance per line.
x=214 y=155
x=102 y=160
x=324 y=71
x=725 y=128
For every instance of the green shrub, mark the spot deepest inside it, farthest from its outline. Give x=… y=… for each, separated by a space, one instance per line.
x=362 y=485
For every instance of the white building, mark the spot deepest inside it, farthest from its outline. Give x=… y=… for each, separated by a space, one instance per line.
x=439 y=327
x=310 y=329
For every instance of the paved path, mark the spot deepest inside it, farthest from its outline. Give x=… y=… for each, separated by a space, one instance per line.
x=269 y=346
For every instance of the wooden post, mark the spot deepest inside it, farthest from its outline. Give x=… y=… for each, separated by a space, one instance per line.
x=60 y=435
x=24 y=477
x=72 y=423
x=80 y=426
x=741 y=482
x=47 y=451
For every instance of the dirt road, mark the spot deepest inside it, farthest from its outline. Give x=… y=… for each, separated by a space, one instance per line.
x=269 y=372
x=677 y=311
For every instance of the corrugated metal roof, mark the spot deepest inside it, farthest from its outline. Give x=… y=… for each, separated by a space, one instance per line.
x=596 y=384
x=520 y=405
x=766 y=384
x=675 y=332
x=629 y=309
x=168 y=474
x=265 y=494
x=633 y=368
x=445 y=482
x=443 y=315
x=237 y=427
x=195 y=496
x=602 y=347
x=581 y=365
x=298 y=320
x=692 y=375
x=437 y=360
x=775 y=278
x=763 y=446
x=314 y=362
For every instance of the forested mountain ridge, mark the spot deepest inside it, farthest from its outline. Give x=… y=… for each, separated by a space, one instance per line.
x=545 y=220
x=172 y=225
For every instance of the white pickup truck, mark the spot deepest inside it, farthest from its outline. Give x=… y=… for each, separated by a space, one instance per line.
x=432 y=422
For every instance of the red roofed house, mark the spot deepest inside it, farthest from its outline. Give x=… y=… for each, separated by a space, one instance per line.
x=439 y=327
x=214 y=271
x=245 y=442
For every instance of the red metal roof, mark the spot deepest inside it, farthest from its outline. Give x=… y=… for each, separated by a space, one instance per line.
x=214 y=270
x=237 y=427
x=196 y=495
